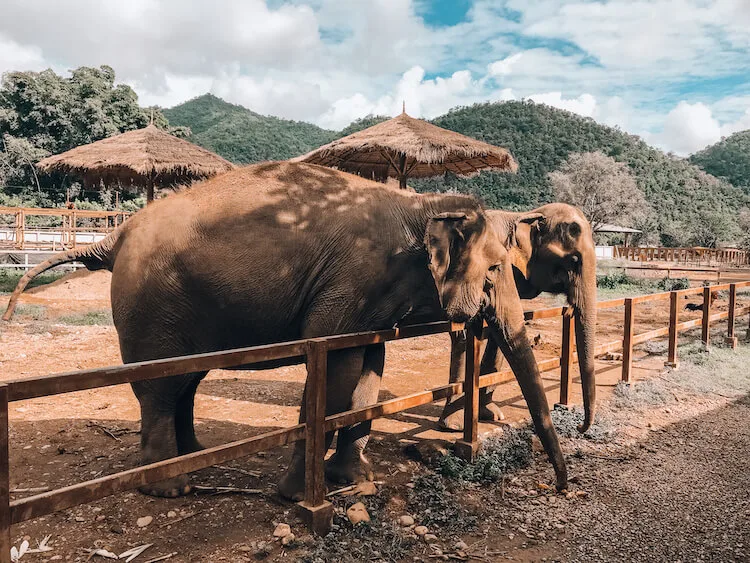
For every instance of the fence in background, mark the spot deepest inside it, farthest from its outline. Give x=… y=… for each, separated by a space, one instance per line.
x=316 y=510
x=729 y=256
x=76 y=227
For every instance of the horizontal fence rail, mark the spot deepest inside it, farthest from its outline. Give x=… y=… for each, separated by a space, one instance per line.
x=686 y=254
x=72 y=227
x=317 y=511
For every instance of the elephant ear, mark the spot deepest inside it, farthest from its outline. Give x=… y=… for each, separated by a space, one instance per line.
x=533 y=218
x=444 y=232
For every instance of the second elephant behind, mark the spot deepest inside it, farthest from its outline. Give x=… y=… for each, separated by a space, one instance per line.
x=552 y=250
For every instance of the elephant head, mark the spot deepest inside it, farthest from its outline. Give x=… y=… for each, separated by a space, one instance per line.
x=473 y=273
x=463 y=254
x=552 y=249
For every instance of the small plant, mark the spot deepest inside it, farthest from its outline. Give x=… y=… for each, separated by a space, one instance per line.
x=669 y=284
x=613 y=280
x=500 y=453
x=436 y=507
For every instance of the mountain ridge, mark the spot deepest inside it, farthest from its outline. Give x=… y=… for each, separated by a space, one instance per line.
x=686 y=200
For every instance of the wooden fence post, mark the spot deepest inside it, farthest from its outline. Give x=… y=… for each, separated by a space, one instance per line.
x=627 y=341
x=5 y=543
x=674 y=316
x=468 y=447
x=316 y=511
x=731 y=339
x=566 y=355
x=705 y=323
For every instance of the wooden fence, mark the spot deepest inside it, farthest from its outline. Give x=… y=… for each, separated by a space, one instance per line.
x=76 y=227
x=729 y=256
x=316 y=510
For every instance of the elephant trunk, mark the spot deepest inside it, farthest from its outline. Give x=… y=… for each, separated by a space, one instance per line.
x=584 y=301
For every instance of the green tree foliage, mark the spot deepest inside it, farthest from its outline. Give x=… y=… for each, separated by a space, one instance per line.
x=541 y=138
x=601 y=187
x=43 y=113
x=243 y=136
x=728 y=159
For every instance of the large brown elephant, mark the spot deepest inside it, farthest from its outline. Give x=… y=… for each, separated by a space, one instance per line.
x=283 y=251
x=552 y=249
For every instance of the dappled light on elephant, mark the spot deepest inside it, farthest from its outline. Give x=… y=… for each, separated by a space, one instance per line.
x=284 y=251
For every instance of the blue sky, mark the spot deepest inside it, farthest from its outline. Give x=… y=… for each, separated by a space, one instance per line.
x=676 y=72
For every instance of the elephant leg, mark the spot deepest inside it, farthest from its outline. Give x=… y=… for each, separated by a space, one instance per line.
x=159 y=400
x=344 y=369
x=184 y=419
x=492 y=362
x=349 y=464
x=452 y=417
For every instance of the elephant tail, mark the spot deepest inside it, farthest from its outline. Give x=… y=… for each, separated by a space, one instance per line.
x=97 y=256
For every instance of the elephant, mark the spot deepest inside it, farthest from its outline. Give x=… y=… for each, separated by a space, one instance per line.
x=552 y=249
x=285 y=251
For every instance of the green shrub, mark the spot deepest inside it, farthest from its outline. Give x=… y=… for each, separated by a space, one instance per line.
x=500 y=454
x=668 y=284
x=9 y=279
x=613 y=280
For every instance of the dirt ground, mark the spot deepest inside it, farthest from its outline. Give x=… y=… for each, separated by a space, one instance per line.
x=58 y=441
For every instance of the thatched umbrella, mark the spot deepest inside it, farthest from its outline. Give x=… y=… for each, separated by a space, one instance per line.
x=405 y=147
x=145 y=157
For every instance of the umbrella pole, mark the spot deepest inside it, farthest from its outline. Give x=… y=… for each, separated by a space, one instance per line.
x=150 y=189
x=402 y=171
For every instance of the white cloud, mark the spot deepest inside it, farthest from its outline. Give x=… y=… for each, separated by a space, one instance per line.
x=332 y=61
x=584 y=105
x=14 y=56
x=504 y=66
x=688 y=128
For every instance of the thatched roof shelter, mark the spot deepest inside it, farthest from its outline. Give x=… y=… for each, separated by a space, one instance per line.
x=145 y=157
x=405 y=147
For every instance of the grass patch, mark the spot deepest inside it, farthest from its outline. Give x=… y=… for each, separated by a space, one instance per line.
x=641 y=395
x=89 y=318
x=9 y=279
x=29 y=312
x=500 y=453
x=721 y=370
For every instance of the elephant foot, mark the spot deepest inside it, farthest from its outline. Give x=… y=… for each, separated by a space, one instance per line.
x=171 y=488
x=190 y=446
x=348 y=469
x=452 y=419
x=292 y=484
x=490 y=412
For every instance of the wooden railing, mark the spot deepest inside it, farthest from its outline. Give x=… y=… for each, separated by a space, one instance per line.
x=730 y=256
x=18 y=235
x=316 y=510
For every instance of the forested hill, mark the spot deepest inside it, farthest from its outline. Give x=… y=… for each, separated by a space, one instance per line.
x=243 y=136
x=729 y=158
x=683 y=197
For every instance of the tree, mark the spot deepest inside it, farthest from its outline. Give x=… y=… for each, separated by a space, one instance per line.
x=43 y=113
x=601 y=187
x=744 y=225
